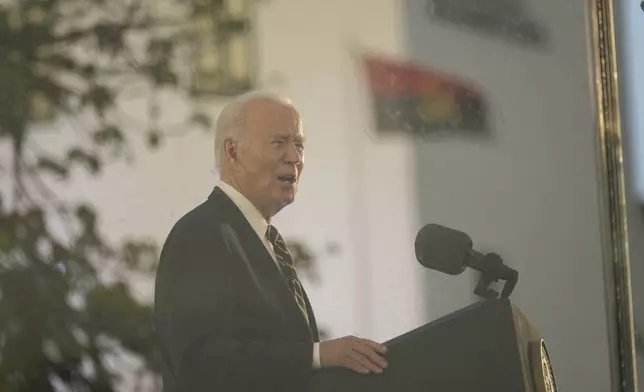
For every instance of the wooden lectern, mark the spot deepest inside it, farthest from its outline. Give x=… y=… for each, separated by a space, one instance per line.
x=486 y=347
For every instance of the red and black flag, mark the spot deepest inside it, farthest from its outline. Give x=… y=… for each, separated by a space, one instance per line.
x=420 y=101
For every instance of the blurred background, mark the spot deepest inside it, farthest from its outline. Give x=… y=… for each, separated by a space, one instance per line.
x=480 y=116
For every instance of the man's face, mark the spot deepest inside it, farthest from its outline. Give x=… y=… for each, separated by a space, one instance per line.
x=269 y=156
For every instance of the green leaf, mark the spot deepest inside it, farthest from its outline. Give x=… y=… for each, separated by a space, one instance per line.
x=154 y=138
x=99 y=97
x=60 y=253
x=51 y=166
x=109 y=135
x=113 y=311
x=88 y=71
x=160 y=51
x=159 y=48
x=162 y=75
x=62 y=61
x=202 y=120
x=110 y=37
x=86 y=215
x=233 y=26
x=8 y=235
x=141 y=255
x=90 y=162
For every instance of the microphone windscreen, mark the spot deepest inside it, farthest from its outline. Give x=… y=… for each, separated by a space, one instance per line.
x=442 y=249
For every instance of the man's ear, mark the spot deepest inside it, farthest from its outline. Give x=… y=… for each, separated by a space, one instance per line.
x=230 y=150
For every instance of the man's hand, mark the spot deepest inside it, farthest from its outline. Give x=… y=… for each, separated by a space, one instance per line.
x=360 y=355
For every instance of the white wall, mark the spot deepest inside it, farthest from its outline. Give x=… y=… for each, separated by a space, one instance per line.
x=529 y=192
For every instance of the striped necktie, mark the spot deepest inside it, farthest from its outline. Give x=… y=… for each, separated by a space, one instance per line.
x=287 y=268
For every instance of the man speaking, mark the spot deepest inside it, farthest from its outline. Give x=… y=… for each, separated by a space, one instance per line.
x=230 y=312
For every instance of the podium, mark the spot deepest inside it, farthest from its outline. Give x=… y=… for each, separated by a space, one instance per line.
x=488 y=346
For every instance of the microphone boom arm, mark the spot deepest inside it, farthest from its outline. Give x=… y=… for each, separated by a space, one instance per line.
x=492 y=270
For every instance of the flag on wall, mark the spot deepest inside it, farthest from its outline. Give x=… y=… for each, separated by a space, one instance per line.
x=412 y=99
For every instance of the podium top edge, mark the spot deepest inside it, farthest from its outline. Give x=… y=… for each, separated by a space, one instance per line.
x=502 y=302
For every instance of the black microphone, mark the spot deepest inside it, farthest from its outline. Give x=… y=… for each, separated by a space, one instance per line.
x=450 y=251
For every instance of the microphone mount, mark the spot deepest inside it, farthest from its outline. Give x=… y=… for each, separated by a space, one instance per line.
x=492 y=270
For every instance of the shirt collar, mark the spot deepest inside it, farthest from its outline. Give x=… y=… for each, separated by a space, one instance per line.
x=250 y=212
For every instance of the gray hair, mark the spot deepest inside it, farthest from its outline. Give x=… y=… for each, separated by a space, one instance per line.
x=231 y=118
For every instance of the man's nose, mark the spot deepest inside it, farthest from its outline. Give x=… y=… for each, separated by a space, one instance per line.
x=294 y=154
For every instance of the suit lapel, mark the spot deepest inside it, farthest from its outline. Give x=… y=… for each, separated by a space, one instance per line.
x=313 y=325
x=260 y=261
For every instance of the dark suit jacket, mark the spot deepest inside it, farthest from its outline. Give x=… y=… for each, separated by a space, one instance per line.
x=224 y=316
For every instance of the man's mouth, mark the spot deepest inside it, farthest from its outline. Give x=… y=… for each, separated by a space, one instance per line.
x=287 y=179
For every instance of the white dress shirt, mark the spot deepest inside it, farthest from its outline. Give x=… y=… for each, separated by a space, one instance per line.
x=259 y=225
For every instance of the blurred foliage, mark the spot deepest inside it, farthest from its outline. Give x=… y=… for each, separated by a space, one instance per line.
x=60 y=321
x=67 y=308
x=304 y=260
